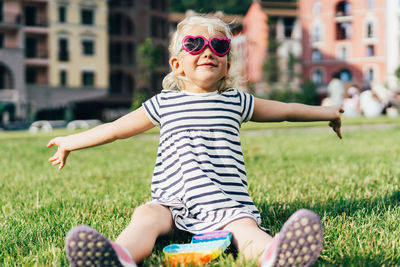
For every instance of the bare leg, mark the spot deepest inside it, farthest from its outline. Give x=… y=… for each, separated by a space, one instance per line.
x=148 y=222
x=298 y=243
x=248 y=238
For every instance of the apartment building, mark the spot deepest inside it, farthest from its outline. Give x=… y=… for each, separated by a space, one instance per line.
x=13 y=100
x=131 y=23
x=77 y=58
x=392 y=22
x=52 y=53
x=349 y=37
x=285 y=35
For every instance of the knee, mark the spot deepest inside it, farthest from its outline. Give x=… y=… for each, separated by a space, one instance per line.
x=152 y=215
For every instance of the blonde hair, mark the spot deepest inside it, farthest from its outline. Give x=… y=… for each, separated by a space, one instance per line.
x=174 y=81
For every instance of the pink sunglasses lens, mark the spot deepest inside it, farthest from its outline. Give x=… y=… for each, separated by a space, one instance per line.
x=193 y=45
x=220 y=46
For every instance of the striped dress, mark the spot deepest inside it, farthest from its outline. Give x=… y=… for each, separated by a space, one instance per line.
x=199 y=172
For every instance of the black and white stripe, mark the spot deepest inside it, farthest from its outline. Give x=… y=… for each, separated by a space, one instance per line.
x=199 y=171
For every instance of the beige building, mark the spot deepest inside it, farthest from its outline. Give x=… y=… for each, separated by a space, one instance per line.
x=78 y=43
x=76 y=56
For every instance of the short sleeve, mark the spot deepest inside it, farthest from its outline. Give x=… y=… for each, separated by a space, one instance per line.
x=152 y=108
x=247 y=105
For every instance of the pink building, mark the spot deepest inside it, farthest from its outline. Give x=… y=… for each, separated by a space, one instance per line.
x=343 y=36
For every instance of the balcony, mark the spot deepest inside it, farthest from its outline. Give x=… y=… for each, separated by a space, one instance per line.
x=37 y=22
x=9 y=18
x=36 y=57
x=36 y=27
x=38 y=1
x=10 y=21
x=343 y=11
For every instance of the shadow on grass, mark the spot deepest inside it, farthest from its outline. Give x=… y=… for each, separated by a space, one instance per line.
x=275 y=214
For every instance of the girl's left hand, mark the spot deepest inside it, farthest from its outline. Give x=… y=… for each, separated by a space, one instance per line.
x=335 y=124
x=61 y=155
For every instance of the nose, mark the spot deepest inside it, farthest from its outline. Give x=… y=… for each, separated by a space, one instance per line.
x=207 y=52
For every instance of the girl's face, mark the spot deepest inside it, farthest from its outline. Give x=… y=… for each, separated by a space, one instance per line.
x=202 y=71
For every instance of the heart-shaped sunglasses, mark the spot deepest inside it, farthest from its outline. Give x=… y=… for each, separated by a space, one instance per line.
x=196 y=44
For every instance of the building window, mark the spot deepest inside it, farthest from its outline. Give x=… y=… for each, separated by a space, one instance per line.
x=289 y=25
x=369 y=75
x=370 y=4
x=30 y=15
x=115 y=50
x=129 y=3
x=317 y=77
x=343 y=8
x=370 y=51
x=316 y=55
x=316 y=9
x=122 y=3
x=63 y=77
x=345 y=75
x=30 y=75
x=370 y=30
x=30 y=47
x=316 y=34
x=121 y=25
x=159 y=27
x=1 y=10
x=343 y=53
x=1 y=40
x=131 y=53
x=63 y=54
x=114 y=3
x=87 y=16
x=62 y=14
x=88 y=78
x=343 y=30
x=88 y=47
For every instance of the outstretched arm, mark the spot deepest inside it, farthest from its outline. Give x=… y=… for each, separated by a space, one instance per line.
x=129 y=125
x=274 y=111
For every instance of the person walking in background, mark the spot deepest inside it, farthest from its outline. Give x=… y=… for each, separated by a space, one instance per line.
x=336 y=90
x=370 y=104
x=199 y=182
x=351 y=103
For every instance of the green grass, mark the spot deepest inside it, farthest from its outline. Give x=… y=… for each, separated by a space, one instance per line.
x=353 y=184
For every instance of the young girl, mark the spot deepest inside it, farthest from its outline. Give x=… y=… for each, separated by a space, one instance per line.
x=199 y=182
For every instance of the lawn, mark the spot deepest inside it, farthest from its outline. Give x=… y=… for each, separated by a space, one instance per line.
x=353 y=184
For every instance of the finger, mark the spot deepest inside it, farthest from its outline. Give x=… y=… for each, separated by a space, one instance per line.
x=50 y=144
x=56 y=162
x=61 y=165
x=341 y=110
x=339 y=133
x=53 y=158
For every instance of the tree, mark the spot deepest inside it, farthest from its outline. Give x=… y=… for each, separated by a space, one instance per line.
x=149 y=57
x=397 y=73
x=211 y=6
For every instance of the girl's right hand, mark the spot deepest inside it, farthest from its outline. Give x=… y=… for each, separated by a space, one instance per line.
x=60 y=157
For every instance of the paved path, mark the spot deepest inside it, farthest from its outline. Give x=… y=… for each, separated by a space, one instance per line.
x=320 y=129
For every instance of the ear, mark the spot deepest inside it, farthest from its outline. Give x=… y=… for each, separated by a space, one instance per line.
x=176 y=66
x=228 y=67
